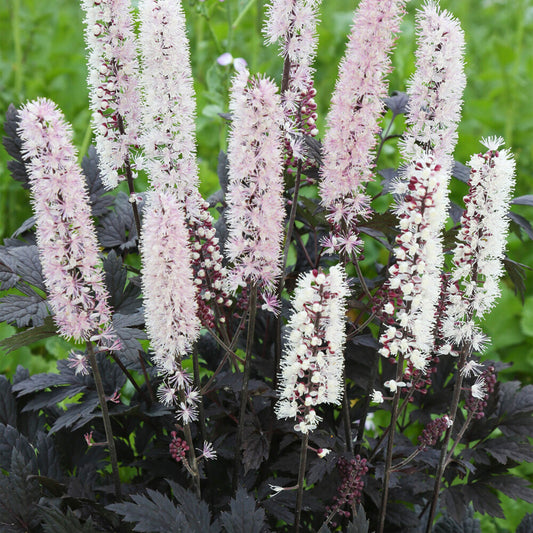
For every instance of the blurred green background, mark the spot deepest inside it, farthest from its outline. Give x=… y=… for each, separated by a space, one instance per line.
x=42 y=54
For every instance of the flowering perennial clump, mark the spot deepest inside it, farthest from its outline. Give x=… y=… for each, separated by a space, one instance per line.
x=353 y=121
x=311 y=368
x=113 y=84
x=65 y=231
x=255 y=211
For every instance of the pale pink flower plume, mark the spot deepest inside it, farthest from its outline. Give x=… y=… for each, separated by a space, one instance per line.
x=169 y=140
x=170 y=304
x=353 y=121
x=313 y=360
x=66 y=236
x=112 y=80
x=256 y=211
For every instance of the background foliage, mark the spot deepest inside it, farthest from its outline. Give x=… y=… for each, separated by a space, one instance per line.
x=43 y=54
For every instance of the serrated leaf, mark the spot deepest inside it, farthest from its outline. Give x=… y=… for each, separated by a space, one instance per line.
x=153 y=513
x=11 y=439
x=129 y=336
x=77 y=414
x=24 y=227
x=29 y=336
x=124 y=296
x=397 y=102
x=8 y=405
x=100 y=202
x=516 y=272
x=512 y=486
x=117 y=228
x=319 y=467
x=18 y=497
x=388 y=175
x=255 y=446
x=522 y=223
x=196 y=511
x=27 y=264
x=359 y=523
x=47 y=458
x=55 y=521
x=20 y=311
x=469 y=524
x=243 y=517
x=461 y=172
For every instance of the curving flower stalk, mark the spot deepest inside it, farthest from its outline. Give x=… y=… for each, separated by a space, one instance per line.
x=312 y=366
x=168 y=140
x=353 y=121
x=67 y=243
x=255 y=212
x=112 y=80
x=66 y=236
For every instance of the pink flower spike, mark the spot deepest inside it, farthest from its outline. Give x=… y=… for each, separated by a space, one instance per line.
x=353 y=121
x=255 y=211
x=66 y=236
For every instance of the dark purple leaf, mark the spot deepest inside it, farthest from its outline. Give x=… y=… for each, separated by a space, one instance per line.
x=243 y=516
x=527 y=199
x=461 y=172
x=397 y=102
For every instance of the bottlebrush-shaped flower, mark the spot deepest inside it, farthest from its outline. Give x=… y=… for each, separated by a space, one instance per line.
x=481 y=243
x=169 y=292
x=168 y=108
x=415 y=278
x=353 y=121
x=255 y=210
x=311 y=367
x=113 y=84
x=66 y=236
x=293 y=24
x=169 y=144
x=436 y=88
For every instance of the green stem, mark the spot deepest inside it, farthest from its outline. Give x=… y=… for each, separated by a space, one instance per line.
x=17 y=43
x=106 y=419
x=240 y=16
x=301 y=480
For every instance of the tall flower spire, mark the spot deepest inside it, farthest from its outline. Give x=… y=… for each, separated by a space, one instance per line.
x=169 y=292
x=353 y=121
x=168 y=105
x=113 y=73
x=65 y=231
x=168 y=140
x=255 y=211
x=311 y=367
x=435 y=99
x=478 y=255
x=436 y=88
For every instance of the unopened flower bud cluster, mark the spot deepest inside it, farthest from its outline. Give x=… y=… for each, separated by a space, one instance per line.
x=433 y=431
x=312 y=364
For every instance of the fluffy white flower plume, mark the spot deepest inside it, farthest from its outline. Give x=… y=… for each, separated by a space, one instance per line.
x=312 y=364
x=113 y=84
x=481 y=243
